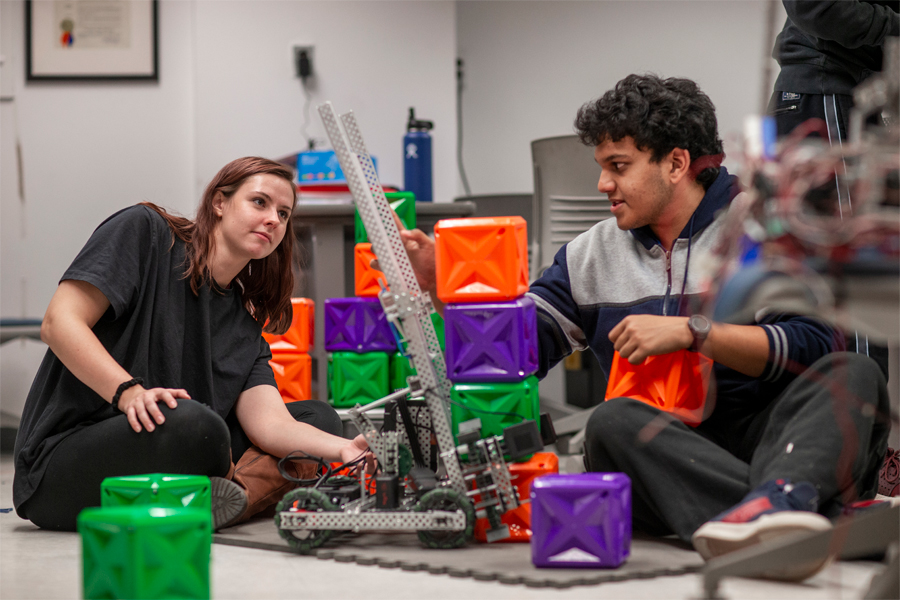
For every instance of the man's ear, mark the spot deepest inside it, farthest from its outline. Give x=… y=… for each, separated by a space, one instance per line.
x=218 y=202
x=680 y=160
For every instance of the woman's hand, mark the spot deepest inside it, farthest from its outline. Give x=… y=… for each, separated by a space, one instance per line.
x=357 y=448
x=140 y=405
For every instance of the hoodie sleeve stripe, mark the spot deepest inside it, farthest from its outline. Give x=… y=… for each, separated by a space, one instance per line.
x=574 y=335
x=778 y=352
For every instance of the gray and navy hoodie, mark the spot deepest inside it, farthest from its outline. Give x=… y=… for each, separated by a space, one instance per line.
x=606 y=274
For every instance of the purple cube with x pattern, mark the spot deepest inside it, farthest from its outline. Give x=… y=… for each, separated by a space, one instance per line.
x=580 y=521
x=357 y=325
x=492 y=341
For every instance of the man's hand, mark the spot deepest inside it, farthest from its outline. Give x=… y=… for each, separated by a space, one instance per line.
x=420 y=249
x=638 y=336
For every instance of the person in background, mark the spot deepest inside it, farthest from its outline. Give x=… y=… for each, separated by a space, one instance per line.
x=825 y=49
x=795 y=427
x=156 y=360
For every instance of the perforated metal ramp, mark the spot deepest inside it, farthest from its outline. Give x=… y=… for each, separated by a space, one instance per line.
x=506 y=563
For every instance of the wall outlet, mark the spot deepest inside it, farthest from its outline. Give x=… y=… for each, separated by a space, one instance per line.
x=304 y=63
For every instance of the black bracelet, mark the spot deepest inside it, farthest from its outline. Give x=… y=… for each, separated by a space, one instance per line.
x=128 y=384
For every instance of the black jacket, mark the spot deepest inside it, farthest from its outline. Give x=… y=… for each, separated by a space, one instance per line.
x=829 y=47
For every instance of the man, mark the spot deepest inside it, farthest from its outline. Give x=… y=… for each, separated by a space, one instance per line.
x=794 y=427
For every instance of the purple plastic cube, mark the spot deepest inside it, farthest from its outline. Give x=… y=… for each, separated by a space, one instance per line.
x=357 y=325
x=580 y=521
x=492 y=341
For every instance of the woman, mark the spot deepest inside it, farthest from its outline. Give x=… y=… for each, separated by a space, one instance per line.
x=157 y=362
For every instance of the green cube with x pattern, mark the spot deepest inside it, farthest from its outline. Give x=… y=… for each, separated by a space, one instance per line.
x=145 y=551
x=157 y=488
x=357 y=378
x=402 y=203
x=498 y=405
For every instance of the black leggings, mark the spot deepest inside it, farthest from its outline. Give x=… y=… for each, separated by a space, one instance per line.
x=194 y=440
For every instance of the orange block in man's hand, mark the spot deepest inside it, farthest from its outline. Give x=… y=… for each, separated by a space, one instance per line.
x=482 y=259
x=676 y=383
x=365 y=276
x=293 y=375
x=300 y=336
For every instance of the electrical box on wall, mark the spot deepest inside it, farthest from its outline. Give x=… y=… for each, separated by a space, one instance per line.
x=303 y=55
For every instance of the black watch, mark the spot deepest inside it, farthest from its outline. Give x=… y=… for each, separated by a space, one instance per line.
x=700 y=327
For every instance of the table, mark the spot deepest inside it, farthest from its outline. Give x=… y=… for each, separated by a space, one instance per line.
x=324 y=231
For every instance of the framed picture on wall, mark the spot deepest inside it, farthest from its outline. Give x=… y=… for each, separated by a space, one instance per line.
x=78 y=40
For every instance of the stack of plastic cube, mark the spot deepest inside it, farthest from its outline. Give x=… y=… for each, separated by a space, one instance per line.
x=581 y=520
x=358 y=338
x=291 y=362
x=149 y=539
x=490 y=327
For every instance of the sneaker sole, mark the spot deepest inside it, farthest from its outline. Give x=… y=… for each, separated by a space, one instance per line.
x=228 y=502
x=716 y=539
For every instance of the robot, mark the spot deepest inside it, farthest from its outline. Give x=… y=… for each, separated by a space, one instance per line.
x=439 y=495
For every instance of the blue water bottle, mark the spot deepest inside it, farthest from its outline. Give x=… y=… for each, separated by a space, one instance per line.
x=417 y=158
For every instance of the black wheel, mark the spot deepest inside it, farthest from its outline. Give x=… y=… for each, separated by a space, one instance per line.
x=449 y=500
x=304 y=541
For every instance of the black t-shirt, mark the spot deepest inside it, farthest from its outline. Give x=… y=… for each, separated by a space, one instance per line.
x=155 y=327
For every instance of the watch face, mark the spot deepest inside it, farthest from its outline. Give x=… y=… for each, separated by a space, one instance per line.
x=699 y=325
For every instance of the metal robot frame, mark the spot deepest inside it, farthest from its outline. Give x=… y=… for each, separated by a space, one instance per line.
x=436 y=502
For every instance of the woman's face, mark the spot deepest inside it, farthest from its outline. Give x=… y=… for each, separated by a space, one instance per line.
x=255 y=219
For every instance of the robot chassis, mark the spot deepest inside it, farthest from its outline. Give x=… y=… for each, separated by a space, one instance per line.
x=439 y=500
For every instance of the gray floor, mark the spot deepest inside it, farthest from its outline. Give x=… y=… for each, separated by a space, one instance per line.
x=40 y=564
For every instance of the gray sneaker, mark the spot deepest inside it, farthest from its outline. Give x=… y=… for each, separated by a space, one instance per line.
x=228 y=502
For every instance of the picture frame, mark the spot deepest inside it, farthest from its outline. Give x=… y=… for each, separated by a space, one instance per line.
x=92 y=40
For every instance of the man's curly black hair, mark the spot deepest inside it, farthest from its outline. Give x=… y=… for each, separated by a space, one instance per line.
x=660 y=115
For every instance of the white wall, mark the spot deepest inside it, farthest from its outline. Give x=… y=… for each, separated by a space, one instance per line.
x=226 y=89
x=88 y=149
x=529 y=66
x=375 y=58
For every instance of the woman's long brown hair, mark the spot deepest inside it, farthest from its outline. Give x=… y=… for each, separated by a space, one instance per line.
x=265 y=284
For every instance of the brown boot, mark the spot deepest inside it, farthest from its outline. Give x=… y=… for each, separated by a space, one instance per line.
x=257 y=479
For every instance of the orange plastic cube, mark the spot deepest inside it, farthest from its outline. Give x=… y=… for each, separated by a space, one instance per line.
x=293 y=375
x=676 y=383
x=365 y=276
x=482 y=259
x=522 y=474
x=300 y=336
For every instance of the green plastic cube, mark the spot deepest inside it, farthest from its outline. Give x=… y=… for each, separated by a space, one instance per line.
x=401 y=368
x=403 y=203
x=145 y=551
x=357 y=378
x=498 y=405
x=438 y=322
x=184 y=491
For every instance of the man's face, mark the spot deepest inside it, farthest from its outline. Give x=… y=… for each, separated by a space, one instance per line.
x=636 y=186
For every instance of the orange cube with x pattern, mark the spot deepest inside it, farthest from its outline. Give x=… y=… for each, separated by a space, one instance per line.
x=519 y=519
x=365 y=276
x=293 y=375
x=481 y=259
x=300 y=336
x=677 y=383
